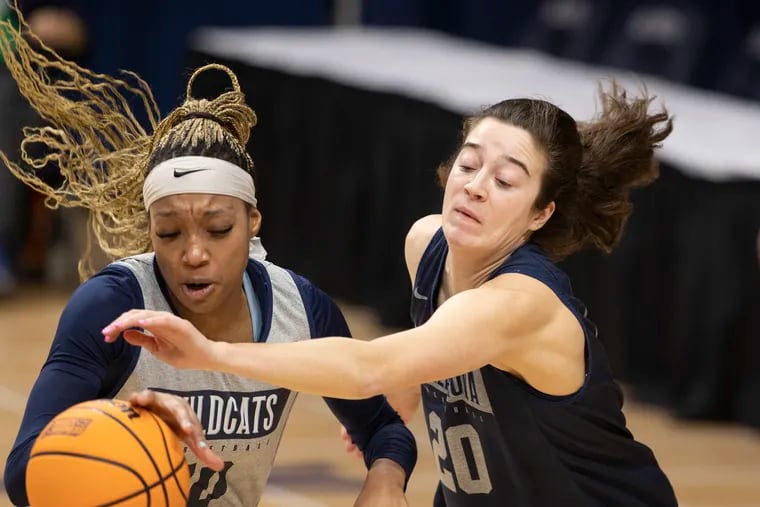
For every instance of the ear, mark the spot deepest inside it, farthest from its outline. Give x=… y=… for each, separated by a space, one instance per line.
x=541 y=217
x=254 y=221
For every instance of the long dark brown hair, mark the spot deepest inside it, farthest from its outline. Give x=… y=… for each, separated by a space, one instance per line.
x=592 y=166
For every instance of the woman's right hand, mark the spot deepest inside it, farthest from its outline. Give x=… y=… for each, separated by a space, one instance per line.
x=177 y=413
x=170 y=338
x=351 y=447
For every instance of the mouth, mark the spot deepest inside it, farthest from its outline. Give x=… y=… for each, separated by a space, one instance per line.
x=469 y=215
x=197 y=291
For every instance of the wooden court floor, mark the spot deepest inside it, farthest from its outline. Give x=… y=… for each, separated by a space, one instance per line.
x=709 y=465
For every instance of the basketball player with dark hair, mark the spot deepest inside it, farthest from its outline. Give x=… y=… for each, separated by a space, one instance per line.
x=178 y=209
x=520 y=403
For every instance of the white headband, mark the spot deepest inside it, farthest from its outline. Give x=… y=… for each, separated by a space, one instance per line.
x=198 y=175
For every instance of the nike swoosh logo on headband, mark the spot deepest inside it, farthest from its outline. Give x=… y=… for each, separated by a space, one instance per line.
x=178 y=173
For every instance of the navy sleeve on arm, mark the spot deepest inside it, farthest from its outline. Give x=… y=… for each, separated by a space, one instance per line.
x=80 y=365
x=372 y=423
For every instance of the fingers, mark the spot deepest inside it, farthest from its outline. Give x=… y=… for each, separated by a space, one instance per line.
x=351 y=447
x=140 y=339
x=146 y=319
x=126 y=320
x=208 y=457
x=178 y=414
x=175 y=411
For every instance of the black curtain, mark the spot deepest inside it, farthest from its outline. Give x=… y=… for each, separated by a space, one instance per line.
x=343 y=172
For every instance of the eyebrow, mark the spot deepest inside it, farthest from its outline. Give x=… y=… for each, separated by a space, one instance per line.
x=508 y=158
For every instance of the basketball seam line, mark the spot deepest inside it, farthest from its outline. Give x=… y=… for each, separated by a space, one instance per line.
x=147 y=453
x=161 y=480
x=134 y=472
x=168 y=456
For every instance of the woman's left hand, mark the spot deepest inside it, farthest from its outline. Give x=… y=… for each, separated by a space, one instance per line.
x=170 y=338
x=177 y=413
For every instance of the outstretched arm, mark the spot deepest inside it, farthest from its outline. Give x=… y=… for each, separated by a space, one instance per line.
x=472 y=329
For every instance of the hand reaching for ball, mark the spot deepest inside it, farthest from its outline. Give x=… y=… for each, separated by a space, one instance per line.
x=178 y=414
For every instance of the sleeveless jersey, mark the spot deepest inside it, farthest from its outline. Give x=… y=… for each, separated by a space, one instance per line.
x=244 y=419
x=499 y=442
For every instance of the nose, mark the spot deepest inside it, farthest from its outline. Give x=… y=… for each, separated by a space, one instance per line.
x=195 y=253
x=474 y=188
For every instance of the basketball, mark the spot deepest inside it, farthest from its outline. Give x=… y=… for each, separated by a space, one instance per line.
x=107 y=452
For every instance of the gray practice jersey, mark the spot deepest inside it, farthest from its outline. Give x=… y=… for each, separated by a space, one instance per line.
x=244 y=419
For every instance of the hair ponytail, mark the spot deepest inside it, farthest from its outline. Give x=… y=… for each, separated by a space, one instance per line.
x=591 y=183
x=618 y=156
x=100 y=148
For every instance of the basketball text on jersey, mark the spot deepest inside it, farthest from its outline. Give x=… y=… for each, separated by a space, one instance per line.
x=236 y=415
x=468 y=388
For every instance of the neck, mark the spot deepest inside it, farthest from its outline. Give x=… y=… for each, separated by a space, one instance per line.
x=463 y=270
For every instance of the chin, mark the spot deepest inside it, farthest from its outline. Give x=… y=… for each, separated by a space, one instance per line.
x=198 y=308
x=206 y=305
x=457 y=237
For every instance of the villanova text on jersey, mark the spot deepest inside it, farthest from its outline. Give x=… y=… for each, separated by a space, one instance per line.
x=458 y=448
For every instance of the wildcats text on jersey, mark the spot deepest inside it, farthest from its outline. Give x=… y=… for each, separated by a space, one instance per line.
x=236 y=415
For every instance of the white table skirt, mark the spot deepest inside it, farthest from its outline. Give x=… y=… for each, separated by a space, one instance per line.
x=716 y=136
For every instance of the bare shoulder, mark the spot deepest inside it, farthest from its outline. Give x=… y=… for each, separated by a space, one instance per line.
x=518 y=281
x=525 y=293
x=553 y=358
x=538 y=299
x=422 y=231
x=417 y=239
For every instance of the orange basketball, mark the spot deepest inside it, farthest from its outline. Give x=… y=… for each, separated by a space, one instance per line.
x=107 y=452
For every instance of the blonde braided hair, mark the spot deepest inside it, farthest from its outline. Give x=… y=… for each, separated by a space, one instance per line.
x=100 y=148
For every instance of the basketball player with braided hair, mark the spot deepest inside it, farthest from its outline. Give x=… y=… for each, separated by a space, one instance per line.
x=518 y=396
x=177 y=208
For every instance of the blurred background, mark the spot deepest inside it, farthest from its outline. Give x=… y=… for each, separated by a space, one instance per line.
x=359 y=101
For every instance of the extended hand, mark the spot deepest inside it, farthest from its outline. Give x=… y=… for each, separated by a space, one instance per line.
x=178 y=414
x=170 y=338
x=351 y=447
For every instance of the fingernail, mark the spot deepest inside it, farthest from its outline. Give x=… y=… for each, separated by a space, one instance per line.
x=142 y=321
x=202 y=444
x=186 y=424
x=107 y=329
